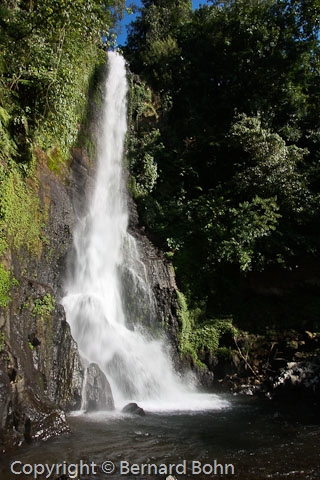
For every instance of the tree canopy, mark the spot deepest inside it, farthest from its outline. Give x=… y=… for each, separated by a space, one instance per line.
x=237 y=85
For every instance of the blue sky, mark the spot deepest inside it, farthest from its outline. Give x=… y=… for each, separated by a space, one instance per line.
x=128 y=18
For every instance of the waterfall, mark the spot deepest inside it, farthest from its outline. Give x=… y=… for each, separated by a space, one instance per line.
x=136 y=364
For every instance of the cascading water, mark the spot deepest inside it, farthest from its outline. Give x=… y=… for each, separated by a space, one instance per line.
x=136 y=365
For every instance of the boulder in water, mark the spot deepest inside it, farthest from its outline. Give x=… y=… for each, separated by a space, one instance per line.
x=134 y=409
x=97 y=391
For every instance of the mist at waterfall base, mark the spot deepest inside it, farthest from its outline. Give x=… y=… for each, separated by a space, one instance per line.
x=136 y=363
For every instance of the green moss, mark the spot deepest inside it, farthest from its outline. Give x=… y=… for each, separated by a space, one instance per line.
x=166 y=322
x=57 y=161
x=207 y=336
x=60 y=127
x=21 y=216
x=186 y=327
x=7 y=281
x=5 y=286
x=88 y=143
x=225 y=353
x=2 y=341
x=43 y=307
x=8 y=147
x=95 y=98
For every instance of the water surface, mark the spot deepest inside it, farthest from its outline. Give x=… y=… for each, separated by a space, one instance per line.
x=261 y=440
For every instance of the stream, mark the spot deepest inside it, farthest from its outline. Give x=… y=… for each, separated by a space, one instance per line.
x=260 y=440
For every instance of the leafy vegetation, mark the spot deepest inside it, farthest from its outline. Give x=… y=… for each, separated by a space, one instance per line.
x=50 y=52
x=21 y=222
x=43 y=307
x=143 y=141
x=7 y=282
x=234 y=150
x=2 y=341
x=199 y=334
x=21 y=216
x=5 y=286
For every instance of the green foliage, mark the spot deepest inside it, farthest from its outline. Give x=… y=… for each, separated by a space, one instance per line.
x=7 y=282
x=21 y=222
x=270 y=167
x=140 y=101
x=57 y=161
x=21 y=216
x=246 y=224
x=48 y=52
x=185 y=324
x=236 y=89
x=5 y=286
x=207 y=336
x=2 y=341
x=152 y=39
x=143 y=167
x=163 y=49
x=198 y=334
x=60 y=123
x=7 y=145
x=43 y=307
x=144 y=142
x=225 y=353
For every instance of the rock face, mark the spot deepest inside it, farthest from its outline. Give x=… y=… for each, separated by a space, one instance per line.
x=40 y=370
x=97 y=391
x=161 y=280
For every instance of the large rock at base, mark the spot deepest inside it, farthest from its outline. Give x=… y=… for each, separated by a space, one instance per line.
x=40 y=370
x=97 y=391
x=134 y=409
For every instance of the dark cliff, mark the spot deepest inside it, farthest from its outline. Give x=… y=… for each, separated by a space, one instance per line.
x=160 y=279
x=41 y=373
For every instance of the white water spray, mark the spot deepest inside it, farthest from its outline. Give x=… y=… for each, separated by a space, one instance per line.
x=136 y=365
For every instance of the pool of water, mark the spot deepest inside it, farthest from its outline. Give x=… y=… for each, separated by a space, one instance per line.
x=250 y=439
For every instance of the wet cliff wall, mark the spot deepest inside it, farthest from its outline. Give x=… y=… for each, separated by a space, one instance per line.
x=160 y=278
x=41 y=373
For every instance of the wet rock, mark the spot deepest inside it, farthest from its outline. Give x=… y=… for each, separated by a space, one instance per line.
x=40 y=369
x=298 y=380
x=97 y=390
x=159 y=275
x=134 y=409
